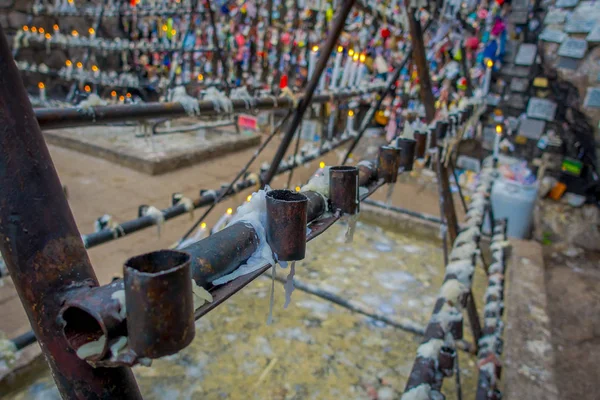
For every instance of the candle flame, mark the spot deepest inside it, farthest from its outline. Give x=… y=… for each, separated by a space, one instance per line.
x=489 y=63
x=48 y=36
x=315 y=49
x=297 y=188
x=200 y=77
x=113 y=93
x=173 y=32
x=340 y=49
x=95 y=68
x=351 y=113
x=41 y=85
x=68 y=63
x=33 y=29
x=350 y=52
x=25 y=28
x=91 y=31
x=128 y=95
x=249 y=198
x=79 y=65
x=87 y=88
x=498 y=129
x=41 y=31
x=229 y=211
x=363 y=57
x=203 y=225
x=322 y=164
x=164 y=28
x=121 y=98
x=74 y=33
x=355 y=58
x=55 y=27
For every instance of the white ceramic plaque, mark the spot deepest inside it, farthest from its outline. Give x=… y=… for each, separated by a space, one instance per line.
x=541 y=109
x=526 y=54
x=553 y=35
x=556 y=16
x=592 y=98
x=579 y=24
x=574 y=48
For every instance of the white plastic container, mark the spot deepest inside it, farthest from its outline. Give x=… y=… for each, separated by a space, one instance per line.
x=515 y=202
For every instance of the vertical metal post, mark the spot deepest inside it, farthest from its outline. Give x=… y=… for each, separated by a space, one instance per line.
x=338 y=26
x=41 y=244
x=465 y=70
x=418 y=48
x=217 y=46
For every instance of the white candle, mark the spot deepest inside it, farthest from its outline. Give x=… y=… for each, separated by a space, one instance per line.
x=497 y=141
x=42 y=88
x=336 y=67
x=312 y=59
x=69 y=65
x=362 y=70
x=347 y=67
x=350 y=122
x=222 y=222
x=488 y=77
x=353 y=69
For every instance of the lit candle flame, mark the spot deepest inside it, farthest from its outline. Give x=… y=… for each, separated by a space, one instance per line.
x=229 y=211
x=87 y=88
x=351 y=113
x=113 y=93
x=315 y=49
x=322 y=164
x=41 y=85
x=340 y=49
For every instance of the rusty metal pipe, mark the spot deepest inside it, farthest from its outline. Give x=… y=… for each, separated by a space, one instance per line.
x=421 y=145
x=211 y=258
x=135 y=225
x=56 y=118
x=286 y=224
x=407 y=153
x=160 y=306
x=343 y=189
x=41 y=245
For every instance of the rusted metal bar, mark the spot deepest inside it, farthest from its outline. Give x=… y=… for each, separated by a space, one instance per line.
x=91 y=314
x=41 y=245
x=55 y=118
x=415 y=214
x=418 y=50
x=465 y=69
x=138 y=224
x=446 y=323
x=332 y=38
x=490 y=344
x=217 y=46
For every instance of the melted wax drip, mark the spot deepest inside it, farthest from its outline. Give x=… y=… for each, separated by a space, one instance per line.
x=289 y=285
x=352 y=219
x=272 y=300
x=388 y=196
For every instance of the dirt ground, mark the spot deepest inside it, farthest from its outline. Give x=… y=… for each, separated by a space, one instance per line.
x=573 y=287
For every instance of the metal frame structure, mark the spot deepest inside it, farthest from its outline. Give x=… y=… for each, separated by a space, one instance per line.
x=47 y=260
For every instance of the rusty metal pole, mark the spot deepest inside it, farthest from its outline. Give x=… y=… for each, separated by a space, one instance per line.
x=338 y=27
x=418 y=49
x=41 y=244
